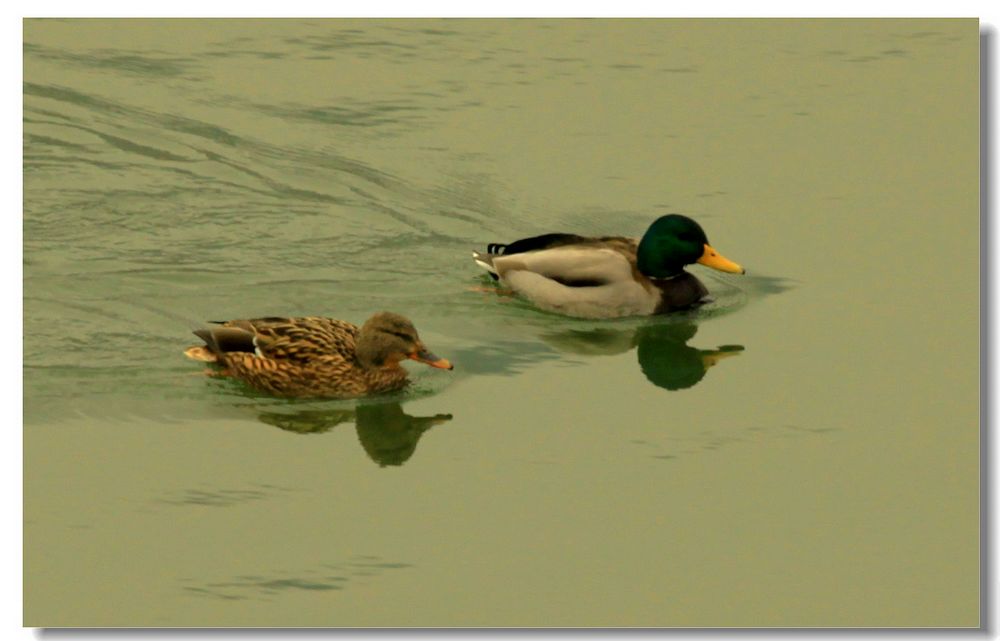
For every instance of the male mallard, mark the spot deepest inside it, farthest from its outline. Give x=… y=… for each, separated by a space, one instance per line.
x=609 y=276
x=315 y=357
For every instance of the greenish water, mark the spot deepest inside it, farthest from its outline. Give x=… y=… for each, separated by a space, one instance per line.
x=824 y=472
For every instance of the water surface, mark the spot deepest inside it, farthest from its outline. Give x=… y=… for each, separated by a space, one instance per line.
x=801 y=452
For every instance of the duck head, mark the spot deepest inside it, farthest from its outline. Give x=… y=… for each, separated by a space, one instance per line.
x=672 y=242
x=387 y=338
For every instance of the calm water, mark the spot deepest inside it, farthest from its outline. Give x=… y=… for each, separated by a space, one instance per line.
x=573 y=473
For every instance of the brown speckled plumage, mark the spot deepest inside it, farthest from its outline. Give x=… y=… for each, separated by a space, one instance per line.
x=315 y=357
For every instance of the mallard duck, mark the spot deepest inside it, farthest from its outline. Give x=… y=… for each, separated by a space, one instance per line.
x=608 y=276
x=315 y=357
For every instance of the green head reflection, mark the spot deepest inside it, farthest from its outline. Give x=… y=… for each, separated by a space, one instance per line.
x=664 y=355
x=669 y=362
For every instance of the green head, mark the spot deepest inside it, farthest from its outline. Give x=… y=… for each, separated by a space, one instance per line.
x=672 y=242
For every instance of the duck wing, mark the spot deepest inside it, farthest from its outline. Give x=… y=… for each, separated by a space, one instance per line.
x=545 y=241
x=593 y=278
x=538 y=244
x=570 y=265
x=574 y=261
x=535 y=243
x=301 y=339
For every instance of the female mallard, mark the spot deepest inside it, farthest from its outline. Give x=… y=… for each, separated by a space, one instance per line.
x=610 y=276
x=315 y=357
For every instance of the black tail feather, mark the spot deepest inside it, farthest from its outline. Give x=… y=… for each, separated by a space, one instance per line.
x=545 y=241
x=220 y=340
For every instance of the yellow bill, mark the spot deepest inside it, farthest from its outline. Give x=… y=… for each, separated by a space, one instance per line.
x=715 y=260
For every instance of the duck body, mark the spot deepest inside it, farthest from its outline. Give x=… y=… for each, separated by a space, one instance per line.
x=315 y=357
x=608 y=276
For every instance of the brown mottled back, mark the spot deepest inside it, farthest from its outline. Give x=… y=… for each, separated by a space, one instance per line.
x=300 y=339
x=306 y=357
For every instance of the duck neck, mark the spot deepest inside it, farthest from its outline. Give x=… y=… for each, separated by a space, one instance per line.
x=370 y=354
x=651 y=262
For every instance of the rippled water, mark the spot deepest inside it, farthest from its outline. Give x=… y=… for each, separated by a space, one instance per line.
x=803 y=451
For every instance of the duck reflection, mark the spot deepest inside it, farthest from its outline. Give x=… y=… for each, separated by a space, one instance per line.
x=388 y=435
x=664 y=356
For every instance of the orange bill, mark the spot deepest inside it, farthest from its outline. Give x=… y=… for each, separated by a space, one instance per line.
x=433 y=360
x=715 y=260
